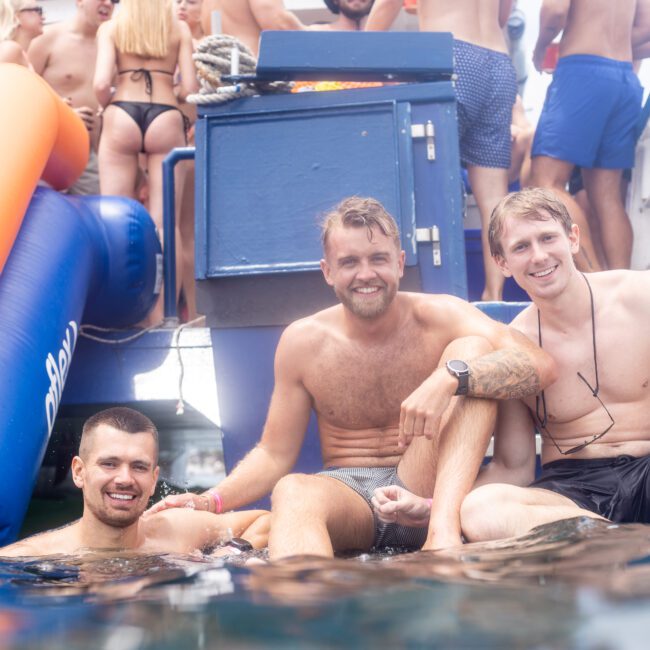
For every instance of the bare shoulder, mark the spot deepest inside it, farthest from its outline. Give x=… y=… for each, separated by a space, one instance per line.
x=24 y=548
x=181 y=28
x=11 y=52
x=446 y=311
x=51 y=542
x=50 y=35
x=305 y=333
x=105 y=30
x=627 y=289
x=526 y=322
x=434 y=307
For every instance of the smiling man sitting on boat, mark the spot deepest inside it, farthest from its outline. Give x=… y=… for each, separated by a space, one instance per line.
x=117 y=471
x=403 y=385
x=593 y=419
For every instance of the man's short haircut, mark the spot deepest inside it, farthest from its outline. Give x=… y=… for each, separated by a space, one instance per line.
x=360 y=212
x=333 y=6
x=534 y=203
x=121 y=418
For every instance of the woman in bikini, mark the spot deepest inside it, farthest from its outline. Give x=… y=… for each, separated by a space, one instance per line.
x=140 y=50
x=20 y=22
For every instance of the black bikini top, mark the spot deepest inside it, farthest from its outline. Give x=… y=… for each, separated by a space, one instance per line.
x=144 y=73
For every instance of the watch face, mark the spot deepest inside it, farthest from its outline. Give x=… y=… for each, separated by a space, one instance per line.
x=241 y=544
x=457 y=365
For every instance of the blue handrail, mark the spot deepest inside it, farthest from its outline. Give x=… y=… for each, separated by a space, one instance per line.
x=169 y=225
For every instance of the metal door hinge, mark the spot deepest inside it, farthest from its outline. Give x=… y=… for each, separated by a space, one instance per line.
x=431 y=235
x=426 y=131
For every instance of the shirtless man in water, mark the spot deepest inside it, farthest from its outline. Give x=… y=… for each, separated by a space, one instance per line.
x=117 y=470
x=486 y=88
x=593 y=419
x=381 y=370
x=65 y=57
x=245 y=19
x=591 y=111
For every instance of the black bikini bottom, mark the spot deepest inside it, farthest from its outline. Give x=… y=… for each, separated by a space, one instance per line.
x=144 y=113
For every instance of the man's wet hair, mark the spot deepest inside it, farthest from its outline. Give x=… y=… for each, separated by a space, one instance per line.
x=360 y=212
x=121 y=418
x=533 y=203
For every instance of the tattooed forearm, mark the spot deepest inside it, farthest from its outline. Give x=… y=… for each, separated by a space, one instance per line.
x=504 y=374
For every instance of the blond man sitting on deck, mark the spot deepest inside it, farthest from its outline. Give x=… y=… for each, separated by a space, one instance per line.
x=117 y=471
x=593 y=420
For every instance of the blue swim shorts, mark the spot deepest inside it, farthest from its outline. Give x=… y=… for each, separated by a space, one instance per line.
x=364 y=481
x=486 y=89
x=590 y=113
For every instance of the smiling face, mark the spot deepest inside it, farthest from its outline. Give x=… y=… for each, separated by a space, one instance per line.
x=364 y=267
x=538 y=253
x=117 y=475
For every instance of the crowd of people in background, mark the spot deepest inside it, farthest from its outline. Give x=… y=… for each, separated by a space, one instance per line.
x=128 y=77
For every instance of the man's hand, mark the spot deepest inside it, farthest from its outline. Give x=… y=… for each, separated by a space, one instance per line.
x=538 y=58
x=422 y=410
x=394 y=504
x=187 y=500
x=87 y=114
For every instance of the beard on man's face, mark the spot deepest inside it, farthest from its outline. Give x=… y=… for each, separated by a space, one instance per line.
x=352 y=12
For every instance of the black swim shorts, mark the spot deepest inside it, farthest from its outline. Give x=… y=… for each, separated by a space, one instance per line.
x=616 y=488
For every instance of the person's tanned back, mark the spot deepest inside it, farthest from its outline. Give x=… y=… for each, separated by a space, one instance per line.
x=475 y=21
x=599 y=27
x=245 y=19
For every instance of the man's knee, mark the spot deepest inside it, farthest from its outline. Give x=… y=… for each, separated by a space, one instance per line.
x=550 y=173
x=296 y=490
x=467 y=347
x=482 y=507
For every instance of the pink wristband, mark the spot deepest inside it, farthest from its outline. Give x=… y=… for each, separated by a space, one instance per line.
x=218 y=503
x=429 y=502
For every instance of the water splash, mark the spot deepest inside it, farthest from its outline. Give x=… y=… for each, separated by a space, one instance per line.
x=564 y=585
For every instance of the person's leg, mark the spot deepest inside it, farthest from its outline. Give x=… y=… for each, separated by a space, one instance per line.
x=165 y=133
x=317 y=515
x=257 y=533
x=489 y=186
x=118 y=153
x=604 y=191
x=497 y=511
x=554 y=174
x=186 y=225
x=447 y=468
x=582 y=200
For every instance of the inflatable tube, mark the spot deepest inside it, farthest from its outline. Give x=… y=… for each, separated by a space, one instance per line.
x=41 y=137
x=93 y=255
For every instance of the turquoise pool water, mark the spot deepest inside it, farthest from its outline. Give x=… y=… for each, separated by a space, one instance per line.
x=574 y=584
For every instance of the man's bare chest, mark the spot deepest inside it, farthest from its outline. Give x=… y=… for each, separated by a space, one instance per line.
x=71 y=67
x=358 y=387
x=617 y=367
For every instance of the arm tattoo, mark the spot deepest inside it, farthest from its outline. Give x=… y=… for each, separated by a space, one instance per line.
x=504 y=374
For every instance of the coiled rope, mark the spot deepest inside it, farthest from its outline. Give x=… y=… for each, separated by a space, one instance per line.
x=213 y=59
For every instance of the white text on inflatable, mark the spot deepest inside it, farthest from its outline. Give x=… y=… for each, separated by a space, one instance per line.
x=57 y=371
